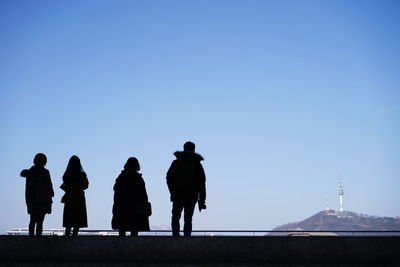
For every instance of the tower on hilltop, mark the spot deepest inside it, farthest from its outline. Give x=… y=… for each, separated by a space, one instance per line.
x=327 y=204
x=341 y=193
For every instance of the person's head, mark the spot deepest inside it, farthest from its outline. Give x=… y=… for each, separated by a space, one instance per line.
x=132 y=164
x=74 y=164
x=189 y=146
x=40 y=160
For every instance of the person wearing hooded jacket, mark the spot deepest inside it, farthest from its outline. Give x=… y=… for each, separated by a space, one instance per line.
x=38 y=193
x=186 y=182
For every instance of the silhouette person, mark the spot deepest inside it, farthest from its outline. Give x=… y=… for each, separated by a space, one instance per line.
x=186 y=182
x=38 y=193
x=130 y=198
x=74 y=184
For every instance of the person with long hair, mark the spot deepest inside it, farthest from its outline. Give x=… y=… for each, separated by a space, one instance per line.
x=38 y=193
x=74 y=183
x=131 y=209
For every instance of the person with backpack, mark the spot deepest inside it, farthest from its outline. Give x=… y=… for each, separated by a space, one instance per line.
x=186 y=182
x=38 y=193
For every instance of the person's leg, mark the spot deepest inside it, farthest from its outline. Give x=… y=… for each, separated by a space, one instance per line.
x=75 y=231
x=32 y=223
x=39 y=223
x=188 y=214
x=134 y=233
x=68 y=230
x=122 y=232
x=176 y=216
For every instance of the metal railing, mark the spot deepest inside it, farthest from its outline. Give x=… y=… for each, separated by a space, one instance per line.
x=294 y=233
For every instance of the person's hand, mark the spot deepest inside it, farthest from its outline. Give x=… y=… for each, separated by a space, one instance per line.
x=202 y=206
x=63 y=187
x=24 y=173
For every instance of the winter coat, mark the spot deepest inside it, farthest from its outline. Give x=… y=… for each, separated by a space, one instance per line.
x=129 y=189
x=38 y=190
x=75 y=214
x=186 y=178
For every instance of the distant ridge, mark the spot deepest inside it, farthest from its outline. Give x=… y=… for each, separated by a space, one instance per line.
x=343 y=221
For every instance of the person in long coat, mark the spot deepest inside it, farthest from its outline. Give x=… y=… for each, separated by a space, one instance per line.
x=130 y=196
x=38 y=193
x=74 y=183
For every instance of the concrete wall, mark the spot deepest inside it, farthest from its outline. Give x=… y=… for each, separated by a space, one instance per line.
x=197 y=251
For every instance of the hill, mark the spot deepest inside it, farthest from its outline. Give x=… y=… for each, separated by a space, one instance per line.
x=343 y=221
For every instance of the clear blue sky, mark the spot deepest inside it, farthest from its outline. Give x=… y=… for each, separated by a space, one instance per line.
x=281 y=97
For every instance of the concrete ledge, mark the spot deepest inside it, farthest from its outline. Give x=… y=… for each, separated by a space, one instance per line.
x=200 y=250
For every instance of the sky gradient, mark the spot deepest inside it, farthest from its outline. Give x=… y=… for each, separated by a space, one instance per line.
x=280 y=97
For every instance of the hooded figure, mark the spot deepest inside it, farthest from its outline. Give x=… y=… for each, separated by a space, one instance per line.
x=38 y=193
x=130 y=197
x=186 y=182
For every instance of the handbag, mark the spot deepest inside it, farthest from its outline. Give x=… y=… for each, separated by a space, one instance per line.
x=142 y=208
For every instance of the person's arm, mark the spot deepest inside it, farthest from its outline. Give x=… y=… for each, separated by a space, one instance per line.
x=24 y=173
x=49 y=183
x=117 y=184
x=145 y=197
x=202 y=189
x=85 y=181
x=170 y=174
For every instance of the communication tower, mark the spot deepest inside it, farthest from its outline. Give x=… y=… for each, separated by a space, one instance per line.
x=341 y=193
x=327 y=204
